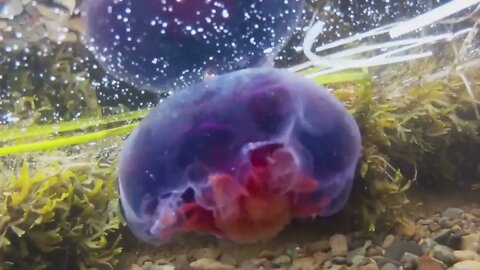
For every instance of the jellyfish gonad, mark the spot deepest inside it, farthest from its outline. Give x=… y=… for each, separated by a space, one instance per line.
x=239 y=157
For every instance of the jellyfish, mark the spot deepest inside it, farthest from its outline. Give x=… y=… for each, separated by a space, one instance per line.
x=163 y=45
x=238 y=157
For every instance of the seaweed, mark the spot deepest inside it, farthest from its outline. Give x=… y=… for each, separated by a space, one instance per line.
x=60 y=214
x=409 y=140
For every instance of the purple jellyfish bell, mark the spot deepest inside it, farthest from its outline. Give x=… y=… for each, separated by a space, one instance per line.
x=239 y=157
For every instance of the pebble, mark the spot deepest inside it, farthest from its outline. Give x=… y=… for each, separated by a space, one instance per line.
x=467 y=265
x=210 y=264
x=423 y=221
x=453 y=222
x=388 y=241
x=77 y=25
x=448 y=238
x=442 y=236
x=307 y=263
x=321 y=257
x=338 y=267
x=148 y=265
x=370 y=266
x=470 y=217
x=409 y=260
x=389 y=266
x=339 y=245
x=357 y=243
x=163 y=267
x=143 y=259
x=322 y=245
x=472 y=228
x=208 y=252
x=427 y=263
x=181 y=262
x=11 y=9
x=444 y=254
x=227 y=259
x=281 y=260
x=381 y=261
x=464 y=255
x=246 y=265
x=470 y=242
x=294 y=251
x=456 y=228
x=135 y=267
x=261 y=263
x=339 y=260
x=50 y=13
x=452 y=213
x=374 y=251
x=362 y=251
x=359 y=260
x=397 y=249
x=421 y=233
x=434 y=227
x=475 y=212
x=267 y=254
x=407 y=228
x=443 y=222
x=160 y=261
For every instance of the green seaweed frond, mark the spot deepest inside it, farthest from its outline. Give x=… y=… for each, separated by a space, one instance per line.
x=58 y=214
x=407 y=139
x=67 y=140
x=35 y=131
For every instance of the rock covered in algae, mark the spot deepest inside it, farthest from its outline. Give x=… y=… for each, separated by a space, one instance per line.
x=154 y=44
x=238 y=157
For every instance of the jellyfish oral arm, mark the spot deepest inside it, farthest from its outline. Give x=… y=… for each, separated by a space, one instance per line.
x=270 y=196
x=273 y=192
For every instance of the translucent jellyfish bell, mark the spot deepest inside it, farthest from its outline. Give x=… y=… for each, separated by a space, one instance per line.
x=155 y=44
x=223 y=161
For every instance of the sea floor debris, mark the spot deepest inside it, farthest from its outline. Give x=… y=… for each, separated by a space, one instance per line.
x=445 y=236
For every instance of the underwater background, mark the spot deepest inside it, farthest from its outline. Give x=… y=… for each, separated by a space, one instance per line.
x=315 y=134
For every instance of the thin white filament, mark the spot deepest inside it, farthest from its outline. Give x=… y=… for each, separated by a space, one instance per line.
x=432 y=16
x=382 y=61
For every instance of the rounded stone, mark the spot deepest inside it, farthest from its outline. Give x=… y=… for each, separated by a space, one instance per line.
x=339 y=245
x=444 y=254
x=465 y=255
x=467 y=265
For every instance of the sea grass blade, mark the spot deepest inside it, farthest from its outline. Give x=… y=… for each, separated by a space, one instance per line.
x=342 y=77
x=78 y=124
x=66 y=141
